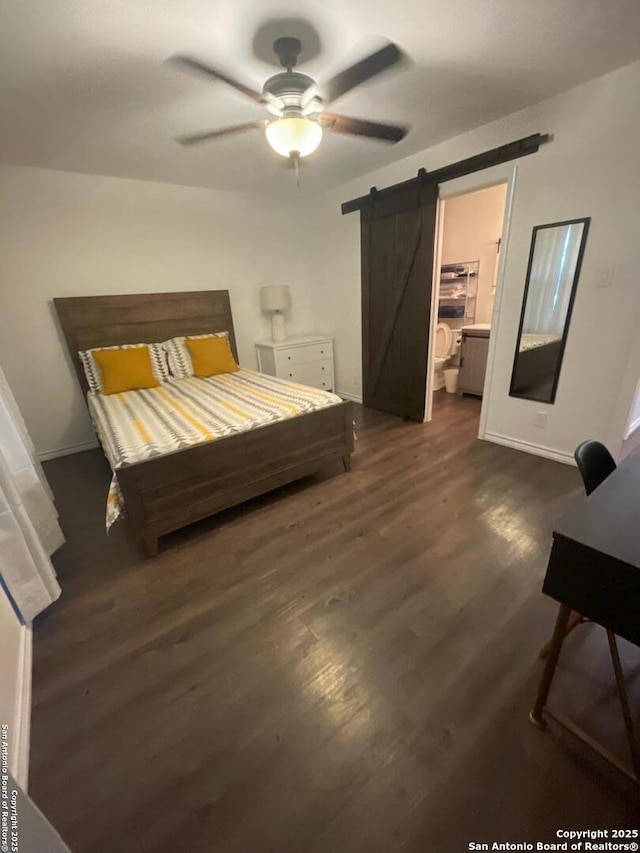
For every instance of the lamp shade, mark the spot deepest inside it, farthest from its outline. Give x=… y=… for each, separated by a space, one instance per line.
x=294 y=134
x=275 y=298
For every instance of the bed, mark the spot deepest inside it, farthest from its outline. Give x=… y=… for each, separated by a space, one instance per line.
x=171 y=490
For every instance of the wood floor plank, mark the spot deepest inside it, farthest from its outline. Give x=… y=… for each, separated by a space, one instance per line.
x=346 y=664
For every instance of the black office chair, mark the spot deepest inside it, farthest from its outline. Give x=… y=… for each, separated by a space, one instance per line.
x=595 y=463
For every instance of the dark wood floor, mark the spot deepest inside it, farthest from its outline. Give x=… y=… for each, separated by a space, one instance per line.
x=346 y=665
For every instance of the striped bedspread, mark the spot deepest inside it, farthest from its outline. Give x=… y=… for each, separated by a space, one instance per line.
x=138 y=425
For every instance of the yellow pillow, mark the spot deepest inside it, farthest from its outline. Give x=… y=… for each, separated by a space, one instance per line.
x=211 y=356
x=125 y=369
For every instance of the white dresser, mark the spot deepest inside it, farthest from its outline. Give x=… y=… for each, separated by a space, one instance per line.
x=307 y=359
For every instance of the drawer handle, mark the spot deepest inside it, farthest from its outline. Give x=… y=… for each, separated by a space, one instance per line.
x=290 y=375
x=321 y=352
x=323 y=368
x=289 y=357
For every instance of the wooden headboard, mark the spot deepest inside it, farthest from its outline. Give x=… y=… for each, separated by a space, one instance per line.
x=146 y=318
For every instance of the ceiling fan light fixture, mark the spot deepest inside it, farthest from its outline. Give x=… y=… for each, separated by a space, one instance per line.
x=294 y=134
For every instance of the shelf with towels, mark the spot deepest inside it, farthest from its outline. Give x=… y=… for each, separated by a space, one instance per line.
x=458 y=284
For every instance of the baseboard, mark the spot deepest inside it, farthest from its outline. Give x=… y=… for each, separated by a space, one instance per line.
x=530 y=447
x=357 y=398
x=632 y=428
x=19 y=765
x=68 y=450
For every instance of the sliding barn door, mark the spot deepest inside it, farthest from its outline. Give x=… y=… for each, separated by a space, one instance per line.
x=398 y=235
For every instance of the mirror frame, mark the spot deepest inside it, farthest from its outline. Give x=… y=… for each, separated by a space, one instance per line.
x=586 y=221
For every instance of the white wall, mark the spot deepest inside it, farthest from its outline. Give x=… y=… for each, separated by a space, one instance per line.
x=65 y=234
x=472 y=223
x=15 y=686
x=633 y=421
x=588 y=169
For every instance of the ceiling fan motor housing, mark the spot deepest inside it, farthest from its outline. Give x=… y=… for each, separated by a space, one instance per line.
x=290 y=89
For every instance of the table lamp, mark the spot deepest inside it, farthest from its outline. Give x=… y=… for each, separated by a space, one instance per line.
x=276 y=299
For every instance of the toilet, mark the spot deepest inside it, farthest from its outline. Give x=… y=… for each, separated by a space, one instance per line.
x=447 y=344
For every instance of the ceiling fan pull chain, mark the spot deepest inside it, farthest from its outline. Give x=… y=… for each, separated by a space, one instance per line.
x=295 y=156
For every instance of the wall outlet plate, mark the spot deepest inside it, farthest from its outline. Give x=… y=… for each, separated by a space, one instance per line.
x=604 y=276
x=540 y=419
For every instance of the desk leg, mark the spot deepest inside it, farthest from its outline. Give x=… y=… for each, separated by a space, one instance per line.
x=559 y=633
x=624 y=702
x=575 y=620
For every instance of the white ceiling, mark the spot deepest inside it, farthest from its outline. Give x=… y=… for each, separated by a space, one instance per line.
x=83 y=86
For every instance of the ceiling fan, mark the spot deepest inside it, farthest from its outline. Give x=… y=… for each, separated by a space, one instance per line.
x=295 y=104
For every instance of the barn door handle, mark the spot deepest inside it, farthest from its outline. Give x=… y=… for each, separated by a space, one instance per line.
x=462 y=361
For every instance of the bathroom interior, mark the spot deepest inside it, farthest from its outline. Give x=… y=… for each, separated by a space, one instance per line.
x=471 y=229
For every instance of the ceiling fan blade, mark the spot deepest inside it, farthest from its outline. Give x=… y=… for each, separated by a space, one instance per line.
x=362 y=127
x=362 y=71
x=196 y=138
x=199 y=67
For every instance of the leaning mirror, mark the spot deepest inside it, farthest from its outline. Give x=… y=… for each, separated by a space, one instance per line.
x=552 y=277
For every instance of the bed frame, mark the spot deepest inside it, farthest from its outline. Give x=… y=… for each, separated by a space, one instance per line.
x=171 y=491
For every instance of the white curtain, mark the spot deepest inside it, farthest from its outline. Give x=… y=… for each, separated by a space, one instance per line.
x=29 y=529
x=552 y=271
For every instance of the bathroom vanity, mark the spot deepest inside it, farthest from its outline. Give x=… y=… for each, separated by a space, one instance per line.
x=474 y=349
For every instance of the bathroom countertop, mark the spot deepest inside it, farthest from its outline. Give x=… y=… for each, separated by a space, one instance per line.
x=477 y=327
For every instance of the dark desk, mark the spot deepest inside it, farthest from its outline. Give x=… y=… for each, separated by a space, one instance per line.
x=594 y=569
x=594 y=565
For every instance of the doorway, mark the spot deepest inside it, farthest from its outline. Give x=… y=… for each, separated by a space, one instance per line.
x=398 y=310
x=469 y=238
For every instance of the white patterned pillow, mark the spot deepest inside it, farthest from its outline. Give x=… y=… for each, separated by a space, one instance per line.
x=180 y=364
x=94 y=376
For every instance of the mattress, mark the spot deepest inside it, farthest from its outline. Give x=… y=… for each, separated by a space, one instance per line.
x=139 y=425
x=533 y=340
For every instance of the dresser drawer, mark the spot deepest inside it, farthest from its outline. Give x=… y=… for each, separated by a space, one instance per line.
x=303 y=354
x=317 y=374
